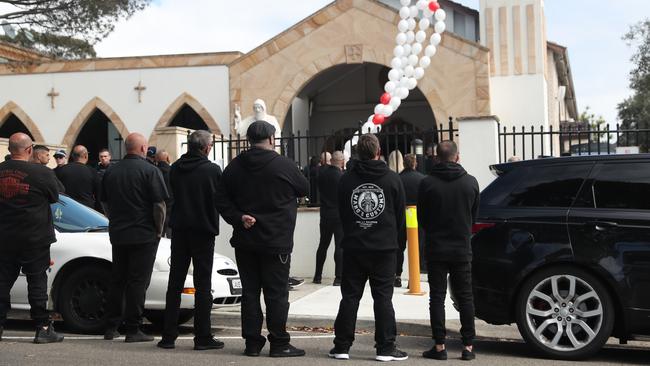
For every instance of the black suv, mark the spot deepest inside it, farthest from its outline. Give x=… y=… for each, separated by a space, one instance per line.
x=562 y=248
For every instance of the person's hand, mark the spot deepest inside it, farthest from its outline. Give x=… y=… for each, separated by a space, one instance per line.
x=248 y=221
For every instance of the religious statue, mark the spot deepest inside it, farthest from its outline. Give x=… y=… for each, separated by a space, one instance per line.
x=259 y=109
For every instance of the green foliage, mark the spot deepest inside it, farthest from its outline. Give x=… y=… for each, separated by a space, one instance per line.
x=66 y=28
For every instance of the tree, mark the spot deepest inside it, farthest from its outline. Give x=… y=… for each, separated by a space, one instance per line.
x=65 y=28
x=634 y=112
x=595 y=123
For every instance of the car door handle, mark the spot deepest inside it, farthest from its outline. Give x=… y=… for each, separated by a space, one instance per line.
x=602 y=225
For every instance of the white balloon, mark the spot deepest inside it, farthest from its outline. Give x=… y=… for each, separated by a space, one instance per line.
x=407 y=50
x=355 y=139
x=413 y=60
x=412 y=83
x=388 y=110
x=416 y=49
x=422 y=4
x=425 y=24
x=430 y=51
x=414 y=11
x=403 y=82
x=379 y=109
x=440 y=27
x=405 y=61
x=404 y=12
x=401 y=38
x=424 y=63
x=395 y=102
x=418 y=73
x=412 y=23
x=403 y=25
x=410 y=36
x=405 y=2
x=348 y=148
x=441 y=15
x=427 y=13
x=409 y=70
x=420 y=36
x=435 y=39
x=398 y=51
x=394 y=75
x=390 y=87
x=403 y=93
x=368 y=127
x=396 y=63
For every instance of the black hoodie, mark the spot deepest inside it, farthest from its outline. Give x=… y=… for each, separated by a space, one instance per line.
x=371 y=206
x=194 y=182
x=265 y=185
x=448 y=202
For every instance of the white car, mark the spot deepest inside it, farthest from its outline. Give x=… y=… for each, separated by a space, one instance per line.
x=80 y=273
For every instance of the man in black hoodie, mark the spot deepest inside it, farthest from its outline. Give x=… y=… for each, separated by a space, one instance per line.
x=195 y=222
x=259 y=199
x=371 y=207
x=448 y=202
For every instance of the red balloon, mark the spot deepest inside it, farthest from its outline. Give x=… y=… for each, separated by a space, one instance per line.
x=434 y=6
x=385 y=98
x=378 y=119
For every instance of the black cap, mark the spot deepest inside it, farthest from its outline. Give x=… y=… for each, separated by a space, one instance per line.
x=151 y=151
x=260 y=131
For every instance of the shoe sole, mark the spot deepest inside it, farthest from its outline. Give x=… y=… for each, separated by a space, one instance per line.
x=298 y=285
x=202 y=348
x=339 y=356
x=287 y=355
x=46 y=341
x=166 y=346
x=390 y=358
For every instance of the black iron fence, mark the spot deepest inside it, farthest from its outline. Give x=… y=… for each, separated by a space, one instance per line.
x=571 y=139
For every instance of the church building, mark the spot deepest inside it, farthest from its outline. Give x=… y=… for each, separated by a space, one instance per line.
x=321 y=76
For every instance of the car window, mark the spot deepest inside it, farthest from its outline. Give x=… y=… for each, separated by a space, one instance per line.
x=70 y=216
x=622 y=186
x=543 y=186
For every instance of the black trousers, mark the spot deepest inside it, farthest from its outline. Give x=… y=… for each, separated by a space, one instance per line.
x=269 y=272
x=460 y=276
x=199 y=249
x=329 y=228
x=359 y=267
x=132 y=267
x=34 y=264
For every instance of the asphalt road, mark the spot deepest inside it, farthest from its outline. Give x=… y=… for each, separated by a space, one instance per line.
x=17 y=349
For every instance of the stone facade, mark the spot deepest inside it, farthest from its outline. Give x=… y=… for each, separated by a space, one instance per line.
x=352 y=31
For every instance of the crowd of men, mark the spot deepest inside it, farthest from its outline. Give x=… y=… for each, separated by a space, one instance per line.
x=363 y=207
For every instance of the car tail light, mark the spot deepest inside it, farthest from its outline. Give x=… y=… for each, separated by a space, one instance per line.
x=479 y=226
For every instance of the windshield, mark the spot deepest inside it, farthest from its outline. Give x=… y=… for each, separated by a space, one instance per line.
x=71 y=216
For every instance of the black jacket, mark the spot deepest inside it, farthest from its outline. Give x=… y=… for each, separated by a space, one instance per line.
x=265 y=185
x=448 y=203
x=371 y=207
x=80 y=182
x=411 y=180
x=328 y=181
x=26 y=192
x=131 y=188
x=194 y=181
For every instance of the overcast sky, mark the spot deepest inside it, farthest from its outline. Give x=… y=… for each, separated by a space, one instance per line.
x=591 y=29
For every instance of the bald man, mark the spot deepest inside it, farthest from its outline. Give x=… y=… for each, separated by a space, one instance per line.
x=134 y=194
x=79 y=180
x=162 y=162
x=26 y=232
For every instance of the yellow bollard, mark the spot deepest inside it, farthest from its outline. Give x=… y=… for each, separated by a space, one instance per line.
x=413 y=251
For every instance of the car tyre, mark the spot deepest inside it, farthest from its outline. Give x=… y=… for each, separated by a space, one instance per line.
x=157 y=317
x=82 y=299
x=568 y=301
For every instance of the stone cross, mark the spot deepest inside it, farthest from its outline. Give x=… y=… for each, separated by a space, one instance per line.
x=140 y=88
x=52 y=94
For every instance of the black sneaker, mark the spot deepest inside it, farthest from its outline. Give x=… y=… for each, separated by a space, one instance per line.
x=1 y=330
x=295 y=282
x=286 y=351
x=434 y=354
x=337 y=282
x=317 y=280
x=394 y=355
x=467 y=355
x=47 y=335
x=253 y=350
x=111 y=334
x=138 y=336
x=339 y=354
x=212 y=343
x=166 y=344
x=398 y=282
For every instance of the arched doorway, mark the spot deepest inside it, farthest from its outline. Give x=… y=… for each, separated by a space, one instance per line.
x=99 y=133
x=11 y=125
x=337 y=101
x=187 y=117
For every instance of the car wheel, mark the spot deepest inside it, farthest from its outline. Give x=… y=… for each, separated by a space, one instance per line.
x=82 y=299
x=157 y=317
x=565 y=313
